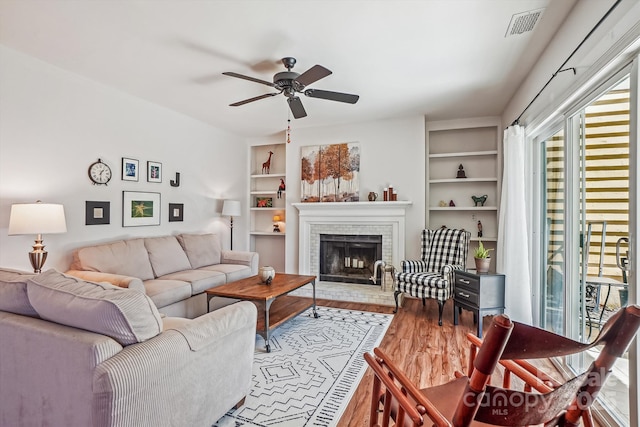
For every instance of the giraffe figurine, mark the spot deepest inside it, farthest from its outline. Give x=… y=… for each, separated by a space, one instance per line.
x=266 y=166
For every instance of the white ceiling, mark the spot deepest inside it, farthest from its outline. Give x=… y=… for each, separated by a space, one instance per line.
x=440 y=58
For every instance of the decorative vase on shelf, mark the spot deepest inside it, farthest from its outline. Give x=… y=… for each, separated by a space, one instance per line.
x=266 y=274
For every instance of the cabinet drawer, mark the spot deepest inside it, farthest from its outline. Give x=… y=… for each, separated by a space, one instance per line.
x=470 y=283
x=464 y=295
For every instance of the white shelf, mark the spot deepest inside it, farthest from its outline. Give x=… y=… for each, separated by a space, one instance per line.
x=265 y=193
x=267 y=209
x=269 y=175
x=459 y=208
x=484 y=239
x=267 y=233
x=461 y=180
x=464 y=154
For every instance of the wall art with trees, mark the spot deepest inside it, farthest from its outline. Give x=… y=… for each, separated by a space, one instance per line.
x=330 y=173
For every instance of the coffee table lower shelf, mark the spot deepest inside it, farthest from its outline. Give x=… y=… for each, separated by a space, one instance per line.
x=278 y=311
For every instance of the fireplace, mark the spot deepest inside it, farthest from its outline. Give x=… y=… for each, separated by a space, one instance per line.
x=349 y=258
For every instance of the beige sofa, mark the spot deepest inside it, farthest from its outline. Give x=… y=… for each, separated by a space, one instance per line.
x=173 y=271
x=76 y=353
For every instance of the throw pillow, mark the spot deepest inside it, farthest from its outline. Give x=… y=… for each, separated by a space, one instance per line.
x=201 y=249
x=13 y=292
x=126 y=315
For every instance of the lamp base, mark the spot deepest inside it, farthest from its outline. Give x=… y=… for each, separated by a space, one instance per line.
x=38 y=255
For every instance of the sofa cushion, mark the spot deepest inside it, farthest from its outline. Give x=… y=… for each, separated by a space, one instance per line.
x=233 y=272
x=200 y=280
x=166 y=292
x=125 y=315
x=13 y=292
x=123 y=257
x=166 y=255
x=201 y=249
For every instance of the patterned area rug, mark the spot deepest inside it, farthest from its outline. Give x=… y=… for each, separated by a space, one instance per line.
x=314 y=367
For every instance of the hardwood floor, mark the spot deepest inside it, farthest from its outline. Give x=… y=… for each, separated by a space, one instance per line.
x=428 y=354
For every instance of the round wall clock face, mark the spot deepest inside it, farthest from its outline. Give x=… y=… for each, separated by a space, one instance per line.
x=99 y=173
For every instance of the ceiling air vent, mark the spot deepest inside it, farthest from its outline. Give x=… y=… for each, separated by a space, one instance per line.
x=523 y=22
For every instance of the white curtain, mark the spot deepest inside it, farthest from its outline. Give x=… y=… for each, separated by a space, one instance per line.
x=513 y=242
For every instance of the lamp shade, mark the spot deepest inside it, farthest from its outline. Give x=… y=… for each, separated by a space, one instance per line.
x=231 y=208
x=37 y=218
x=276 y=218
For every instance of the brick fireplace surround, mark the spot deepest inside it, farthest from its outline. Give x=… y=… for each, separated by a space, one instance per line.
x=369 y=218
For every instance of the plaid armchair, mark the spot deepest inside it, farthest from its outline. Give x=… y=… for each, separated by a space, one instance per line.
x=443 y=251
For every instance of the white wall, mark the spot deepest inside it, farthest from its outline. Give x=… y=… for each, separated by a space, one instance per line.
x=608 y=40
x=54 y=124
x=391 y=152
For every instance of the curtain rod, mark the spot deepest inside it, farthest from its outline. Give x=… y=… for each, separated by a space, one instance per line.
x=561 y=68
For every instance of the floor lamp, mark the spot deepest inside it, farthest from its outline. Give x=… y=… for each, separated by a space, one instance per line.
x=231 y=208
x=37 y=218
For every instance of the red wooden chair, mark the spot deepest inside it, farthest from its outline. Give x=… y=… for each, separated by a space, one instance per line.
x=470 y=401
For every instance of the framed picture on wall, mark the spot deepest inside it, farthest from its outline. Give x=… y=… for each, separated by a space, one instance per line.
x=176 y=212
x=154 y=172
x=140 y=208
x=264 y=202
x=130 y=169
x=97 y=213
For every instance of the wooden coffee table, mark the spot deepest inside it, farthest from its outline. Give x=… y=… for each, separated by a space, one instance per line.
x=275 y=307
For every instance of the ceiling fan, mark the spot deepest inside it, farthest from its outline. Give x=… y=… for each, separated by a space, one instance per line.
x=290 y=83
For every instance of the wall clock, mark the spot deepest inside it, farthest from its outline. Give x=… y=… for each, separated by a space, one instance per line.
x=99 y=173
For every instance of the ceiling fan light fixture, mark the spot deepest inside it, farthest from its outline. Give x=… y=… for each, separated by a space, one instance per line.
x=289 y=83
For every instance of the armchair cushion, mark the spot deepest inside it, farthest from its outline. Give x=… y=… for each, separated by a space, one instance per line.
x=125 y=315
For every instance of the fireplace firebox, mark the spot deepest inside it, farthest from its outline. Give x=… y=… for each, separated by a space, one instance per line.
x=349 y=258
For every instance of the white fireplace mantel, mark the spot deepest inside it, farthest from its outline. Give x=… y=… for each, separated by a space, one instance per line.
x=359 y=214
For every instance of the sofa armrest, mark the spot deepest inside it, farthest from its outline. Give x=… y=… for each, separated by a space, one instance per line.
x=413 y=266
x=250 y=259
x=190 y=374
x=114 y=279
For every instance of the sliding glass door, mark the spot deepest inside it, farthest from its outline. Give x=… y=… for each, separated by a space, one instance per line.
x=588 y=220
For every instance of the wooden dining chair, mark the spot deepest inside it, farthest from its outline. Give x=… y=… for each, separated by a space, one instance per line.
x=472 y=401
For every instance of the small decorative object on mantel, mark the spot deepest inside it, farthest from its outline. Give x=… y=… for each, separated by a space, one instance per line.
x=266 y=274
x=373 y=196
x=385 y=194
x=461 y=173
x=176 y=182
x=281 y=188
x=266 y=166
x=482 y=258
x=442 y=204
x=479 y=199
x=451 y=203
x=479 y=228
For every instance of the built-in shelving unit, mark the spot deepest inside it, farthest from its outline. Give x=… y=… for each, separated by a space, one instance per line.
x=476 y=145
x=264 y=186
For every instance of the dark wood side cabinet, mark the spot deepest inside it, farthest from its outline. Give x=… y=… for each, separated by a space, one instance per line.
x=483 y=294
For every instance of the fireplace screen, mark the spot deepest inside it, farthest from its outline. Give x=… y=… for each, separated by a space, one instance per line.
x=349 y=258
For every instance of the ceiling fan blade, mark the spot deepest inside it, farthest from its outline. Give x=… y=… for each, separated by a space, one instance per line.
x=246 y=101
x=313 y=74
x=332 y=96
x=251 y=79
x=296 y=107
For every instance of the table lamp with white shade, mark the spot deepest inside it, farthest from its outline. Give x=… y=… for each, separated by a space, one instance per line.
x=37 y=218
x=231 y=208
